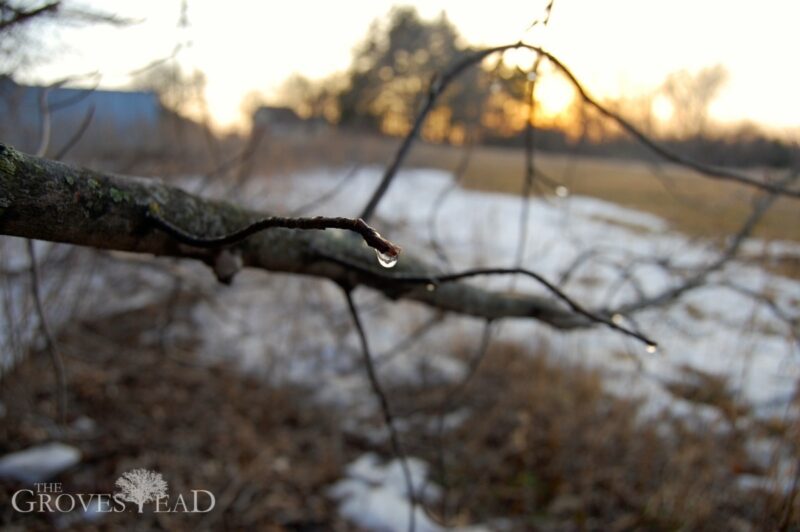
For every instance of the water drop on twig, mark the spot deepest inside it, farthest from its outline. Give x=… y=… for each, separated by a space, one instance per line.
x=651 y=348
x=386 y=260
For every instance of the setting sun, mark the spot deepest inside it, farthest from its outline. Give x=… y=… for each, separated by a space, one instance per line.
x=553 y=95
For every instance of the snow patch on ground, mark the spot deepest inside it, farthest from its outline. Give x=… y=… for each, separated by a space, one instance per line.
x=375 y=496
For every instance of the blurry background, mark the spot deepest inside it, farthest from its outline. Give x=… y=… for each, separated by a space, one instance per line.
x=257 y=392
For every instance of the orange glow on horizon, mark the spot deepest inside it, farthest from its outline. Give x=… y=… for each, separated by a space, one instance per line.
x=554 y=96
x=617 y=48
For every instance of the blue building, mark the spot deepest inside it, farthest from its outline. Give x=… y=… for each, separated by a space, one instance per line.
x=121 y=121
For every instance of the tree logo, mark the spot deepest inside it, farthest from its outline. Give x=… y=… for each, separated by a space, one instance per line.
x=140 y=486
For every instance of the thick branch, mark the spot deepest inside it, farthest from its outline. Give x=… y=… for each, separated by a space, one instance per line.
x=46 y=200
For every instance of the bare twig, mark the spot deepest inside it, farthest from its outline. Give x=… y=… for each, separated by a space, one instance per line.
x=432 y=280
x=409 y=340
x=76 y=137
x=383 y=401
x=458 y=174
x=44 y=115
x=447 y=405
x=530 y=131
x=328 y=195
x=545 y=19
x=21 y=16
x=730 y=252
x=371 y=237
x=52 y=348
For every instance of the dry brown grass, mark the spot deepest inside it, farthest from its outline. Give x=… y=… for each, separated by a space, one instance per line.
x=544 y=446
x=266 y=453
x=547 y=448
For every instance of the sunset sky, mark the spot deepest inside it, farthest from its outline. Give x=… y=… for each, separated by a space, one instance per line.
x=615 y=47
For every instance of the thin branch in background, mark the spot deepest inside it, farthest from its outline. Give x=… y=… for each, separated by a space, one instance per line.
x=328 y=195
x=440 y=83
x=76 y=137
x=383 y=401
x=571 y=269
x=50 y=343
x=446 y=407
x=530 y=131
x=530 y=145
x=571 y=303
x=545 y=19
x=760 y=208
x=791 y=322
x=432 y=280
x=44 y=121
x=77 y=98
x=408 y=341
x=156 y=62
x=245 y=164
x=372 y=238
x=21 y=16
x=786 y=520
x=436 y=207
x=240 y=161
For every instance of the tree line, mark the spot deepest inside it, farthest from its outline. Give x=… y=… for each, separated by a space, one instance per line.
x=402 y=54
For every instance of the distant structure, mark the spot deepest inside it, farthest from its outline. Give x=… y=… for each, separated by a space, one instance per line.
x=122 y=121
x=285 y=122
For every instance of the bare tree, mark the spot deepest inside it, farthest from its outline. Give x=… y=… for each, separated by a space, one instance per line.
x=690 y=95
x=141 y=486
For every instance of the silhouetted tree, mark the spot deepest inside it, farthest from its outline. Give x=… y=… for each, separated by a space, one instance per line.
x=690 y=95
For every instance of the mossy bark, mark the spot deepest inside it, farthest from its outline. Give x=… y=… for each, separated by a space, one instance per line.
x=48 y=200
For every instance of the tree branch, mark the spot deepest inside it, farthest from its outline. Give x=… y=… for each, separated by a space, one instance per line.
x=47 y=200
x=20 y=16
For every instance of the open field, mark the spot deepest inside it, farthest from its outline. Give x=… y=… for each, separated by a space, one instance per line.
x=692 y=204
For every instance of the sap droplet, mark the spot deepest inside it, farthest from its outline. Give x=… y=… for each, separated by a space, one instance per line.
x=430 y=287
x=386 y=260
x=651 y=348
x=562 y=191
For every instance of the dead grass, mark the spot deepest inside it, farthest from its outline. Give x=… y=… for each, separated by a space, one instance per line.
x=544 y=446
x=266 y=453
